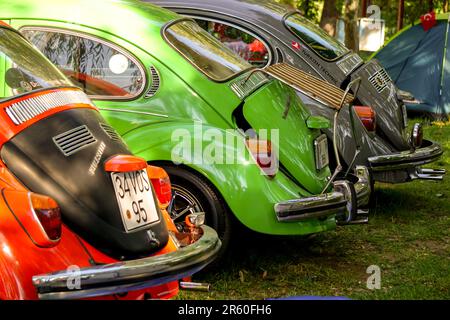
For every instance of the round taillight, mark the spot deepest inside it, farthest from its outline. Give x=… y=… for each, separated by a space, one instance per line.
x=416 y=136
x=161 y=184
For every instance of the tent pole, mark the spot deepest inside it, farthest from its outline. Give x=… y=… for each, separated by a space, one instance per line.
x=443 y=63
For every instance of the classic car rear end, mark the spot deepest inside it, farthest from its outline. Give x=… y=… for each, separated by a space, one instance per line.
x=184 y=86
x=267 y=33
x=76 y=204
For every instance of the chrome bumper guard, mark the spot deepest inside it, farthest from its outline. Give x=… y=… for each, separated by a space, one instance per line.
x=125 y=276
x=428 y=174
x=339 y=202
x=430 y=152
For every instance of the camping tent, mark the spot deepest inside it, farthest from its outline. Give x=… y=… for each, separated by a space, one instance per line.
x=418 y=61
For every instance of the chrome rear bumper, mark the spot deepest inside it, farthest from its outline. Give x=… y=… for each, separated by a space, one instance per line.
x=430 y=152
x=130 y=275
x=325 y=205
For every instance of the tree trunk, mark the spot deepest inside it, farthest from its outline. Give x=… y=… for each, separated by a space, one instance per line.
x=401 y=13
x=351 y=24
x=329 y=17
x=364 y=9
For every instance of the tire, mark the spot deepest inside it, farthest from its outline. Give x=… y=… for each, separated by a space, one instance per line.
x=189 y=187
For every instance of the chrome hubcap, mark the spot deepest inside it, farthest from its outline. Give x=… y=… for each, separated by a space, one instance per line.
x=182 y=204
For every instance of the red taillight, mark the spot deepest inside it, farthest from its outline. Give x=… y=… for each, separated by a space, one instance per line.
x=161 y=183
x=261 y=150
x=367 y=116
x=49 y=215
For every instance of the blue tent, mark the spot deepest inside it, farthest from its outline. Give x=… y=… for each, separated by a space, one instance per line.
x=418 y=62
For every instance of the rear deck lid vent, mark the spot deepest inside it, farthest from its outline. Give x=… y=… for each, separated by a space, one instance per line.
x=74 y=140
x=111 y=132
x=380 y=80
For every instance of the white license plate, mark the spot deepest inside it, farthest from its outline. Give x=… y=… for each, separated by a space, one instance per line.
x=135 y=198
x=321 y=151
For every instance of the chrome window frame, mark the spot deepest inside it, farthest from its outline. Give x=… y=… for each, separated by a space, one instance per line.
x=107 y=43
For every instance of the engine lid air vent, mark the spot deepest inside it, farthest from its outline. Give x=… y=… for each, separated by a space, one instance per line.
x=111 y=132
x=380 y=80
x=74 y=140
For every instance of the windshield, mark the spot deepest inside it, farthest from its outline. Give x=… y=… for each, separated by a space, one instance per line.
x=317 y=39
x=26 y=68
x=204 y=51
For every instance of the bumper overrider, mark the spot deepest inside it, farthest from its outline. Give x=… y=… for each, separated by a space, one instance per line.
x=342 y=202
x=412 y=159
x=130 y=275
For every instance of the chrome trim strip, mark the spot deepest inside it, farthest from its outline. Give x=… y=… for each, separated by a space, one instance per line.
x=124 y=276
x=137 y=112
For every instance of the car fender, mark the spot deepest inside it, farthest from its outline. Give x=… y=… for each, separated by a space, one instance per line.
x=249 y=194
x=13 y=285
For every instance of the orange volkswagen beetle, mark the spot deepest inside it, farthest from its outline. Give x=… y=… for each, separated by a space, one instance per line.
x=81 y=217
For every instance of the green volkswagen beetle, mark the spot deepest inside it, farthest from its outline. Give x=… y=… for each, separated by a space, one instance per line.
x=235 y=143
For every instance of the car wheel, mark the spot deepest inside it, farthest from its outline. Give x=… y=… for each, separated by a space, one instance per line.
x=192 y=193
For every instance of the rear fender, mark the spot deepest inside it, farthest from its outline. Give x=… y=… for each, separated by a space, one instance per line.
x=249 y=194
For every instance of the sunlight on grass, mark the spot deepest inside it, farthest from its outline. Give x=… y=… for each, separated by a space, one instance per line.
x=408 y=237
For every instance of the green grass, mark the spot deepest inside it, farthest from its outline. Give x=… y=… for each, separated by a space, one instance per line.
x=408 y=237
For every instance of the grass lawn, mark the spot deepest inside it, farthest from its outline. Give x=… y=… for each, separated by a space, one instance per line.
x=408 y=237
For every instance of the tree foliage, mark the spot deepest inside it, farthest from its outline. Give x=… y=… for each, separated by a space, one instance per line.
x=315 y=10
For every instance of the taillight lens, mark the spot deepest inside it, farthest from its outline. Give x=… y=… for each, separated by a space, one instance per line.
x=161 y=183
x=416 y=136
x=262 y=153
x=49 y=215
x=367 y=116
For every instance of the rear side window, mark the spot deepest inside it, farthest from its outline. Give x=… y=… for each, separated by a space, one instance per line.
x=244 y=44
x=316 y=38
x=100 y=69
x=203 y=51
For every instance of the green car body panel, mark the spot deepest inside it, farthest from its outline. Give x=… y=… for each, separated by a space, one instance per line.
x=187 y=97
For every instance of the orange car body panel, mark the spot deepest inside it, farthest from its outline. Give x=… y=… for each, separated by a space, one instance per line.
x=21 y=258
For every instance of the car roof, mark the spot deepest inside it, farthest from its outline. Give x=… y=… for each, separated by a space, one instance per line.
x=109 y=15
x=267 y=12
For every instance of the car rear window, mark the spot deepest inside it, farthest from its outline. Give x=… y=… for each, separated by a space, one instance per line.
x=27 y=69
x=204 y=51
x=317 y=39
